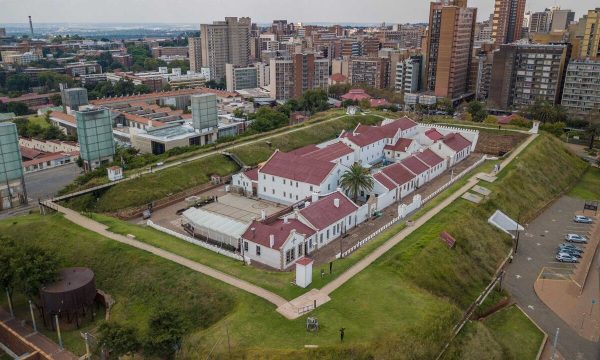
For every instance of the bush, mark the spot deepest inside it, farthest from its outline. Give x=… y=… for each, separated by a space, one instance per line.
x=556 y=129
x=520 y=122
x=490 y=119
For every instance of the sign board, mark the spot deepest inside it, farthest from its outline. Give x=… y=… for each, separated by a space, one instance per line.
x=591 y=205
x=448 y=239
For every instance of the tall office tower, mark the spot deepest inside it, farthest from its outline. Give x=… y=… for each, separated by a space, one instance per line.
x=449 y=47
x=225 y=42
x=525 y=73
x=508 y=21
x=195 y=51
x=589 y=26
x=95 y=136
x=12 y=184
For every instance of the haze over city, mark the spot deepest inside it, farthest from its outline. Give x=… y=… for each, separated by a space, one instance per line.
x=147 y=11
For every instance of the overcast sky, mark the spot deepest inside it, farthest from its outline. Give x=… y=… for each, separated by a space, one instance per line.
x=201 y=11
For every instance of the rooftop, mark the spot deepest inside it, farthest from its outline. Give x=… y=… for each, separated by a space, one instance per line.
x=331 y=152
x=261 y=233
x=324 y=212
x=398 y=173
x=429 y=157
x=415 y=165
x=456 y=141
x=298 y=168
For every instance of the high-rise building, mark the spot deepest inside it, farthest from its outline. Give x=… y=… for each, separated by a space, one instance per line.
x=561 y=19
x=408 y=75
x=195 y=51
x=240 y=78
x=507 y=21
x=371 y=71
x=12 y=184
x=95 y=136
x=291 y=77
x=449 y=47
x=540 y=22
x=2 y=32
x=205 y=117
x=590 y=36
x=581 y=93
x=525 y=73
x=225 y=42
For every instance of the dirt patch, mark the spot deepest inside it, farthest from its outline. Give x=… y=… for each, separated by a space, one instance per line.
x=498 y=144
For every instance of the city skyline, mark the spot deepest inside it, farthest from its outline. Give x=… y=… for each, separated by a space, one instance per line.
x=153 y=11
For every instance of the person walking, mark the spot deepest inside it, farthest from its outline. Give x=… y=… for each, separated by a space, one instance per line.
x=342 y=334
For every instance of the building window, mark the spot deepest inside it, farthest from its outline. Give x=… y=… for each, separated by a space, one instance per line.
x=300 y=250
x=283 y=181
x=264 y=189
x=290 y=255
x=245 y=246
x=257 y=250
x=273 y=191
x=311 y=188
x=327 y=234
x=284 y=194
x=321 y=238
x=273 y=178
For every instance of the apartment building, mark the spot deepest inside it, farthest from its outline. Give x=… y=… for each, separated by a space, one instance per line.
x=408 y=75
x=225 y=42
x=507 y=21
x=195 y=54
x=524 y=73
x=590 y=38
x=371 y=71
x=291 y=77
x=581 y=92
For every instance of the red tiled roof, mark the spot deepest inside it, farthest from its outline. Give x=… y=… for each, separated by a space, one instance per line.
x=385 y=181
x=429 y=157
x=338 y=77
x=415 y=165
x=48 y=157
x=331 y=152
x=281 y=232
x=356 y=95
x=252 y=174
x=154 y=95
x=398 y=173
x=403 y=123
x=433 y=134
x=30 y=154
x=304 y=261
x=378 y=102
x=323 y=213
x=401 y=145
x=456 y=141
x=373 y=135
x=64 y=117
x=25 y=97
x=304 y=150
x=298 y=168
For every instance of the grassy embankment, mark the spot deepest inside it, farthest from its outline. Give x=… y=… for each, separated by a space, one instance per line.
x=589 y=186
x=402 y=306
x=155 y=186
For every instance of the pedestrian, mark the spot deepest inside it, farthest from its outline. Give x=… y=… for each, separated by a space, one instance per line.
x=322 y=273
x=510 y=260
x=330 y=267
x=342 y=334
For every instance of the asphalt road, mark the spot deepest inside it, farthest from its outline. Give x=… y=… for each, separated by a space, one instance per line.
x=537 y=248
x=46 y=183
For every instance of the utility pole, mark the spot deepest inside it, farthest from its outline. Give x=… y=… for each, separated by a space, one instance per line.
x=10 y=307
x=32 y=317
x=518 y=232
x=60 y=342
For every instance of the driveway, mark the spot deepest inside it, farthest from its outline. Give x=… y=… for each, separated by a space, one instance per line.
x=46 y=183
x=537 y=247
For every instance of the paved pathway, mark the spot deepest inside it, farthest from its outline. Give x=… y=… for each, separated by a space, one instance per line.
x=101 y=229
x=293 y=308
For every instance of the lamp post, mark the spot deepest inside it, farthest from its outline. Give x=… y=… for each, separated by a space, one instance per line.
x=518 y=233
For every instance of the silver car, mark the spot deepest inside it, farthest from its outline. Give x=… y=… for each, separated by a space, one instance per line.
x=576 y=238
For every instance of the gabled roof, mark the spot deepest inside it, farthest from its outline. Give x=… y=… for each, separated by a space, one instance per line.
x=297 y=168
x=384 y=180
x=433 y=134
x=401 y=145
x=252 y=174
x=415 y=165
x=323 y=213
x=305 y=150
x=456 y=141
x=429 y=157
x=279 y=229
x=367 y=135
x=338 y=77
x=403 y=123
x=331 y=152
x=398 y=173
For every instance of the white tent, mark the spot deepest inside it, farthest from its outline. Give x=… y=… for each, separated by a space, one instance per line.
x=214 y=226
x=505 y=223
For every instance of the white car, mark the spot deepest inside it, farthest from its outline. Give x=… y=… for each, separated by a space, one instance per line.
x=576 y=238
x=564 y=257
x=582 y=219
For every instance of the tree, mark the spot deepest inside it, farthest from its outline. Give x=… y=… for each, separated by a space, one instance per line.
x=593 y=130
x=477 y=111
x=34 y=267
x=165 y=332
x=117 y=340
x=445 y=105
x=18 y=108
x=545 y=112
x=313 y=101
x=56 y=99
x=355 y=180
x=7 y=272
x=18 y=82
x=266 y=119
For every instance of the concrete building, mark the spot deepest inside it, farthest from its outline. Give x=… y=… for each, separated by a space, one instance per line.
x=95 y=136
x=540 y=21
x=159 y=140
x=160 y=51
x=408 y=75
x=12 y=184
x=371 y=71
x=291 y=77
x=195 y=54
x=507 y=21
x=449 y=48
x=240 y=78
x=561 y=19
x=73 y=98
x=17 y=58
x=524 y=73
x=581 y=92
x=205 y=118
x=590 y=37
x=225 y=42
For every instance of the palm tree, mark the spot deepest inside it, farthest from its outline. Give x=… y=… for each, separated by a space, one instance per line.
x=355 y=179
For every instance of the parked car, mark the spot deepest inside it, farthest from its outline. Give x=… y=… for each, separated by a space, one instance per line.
x=570 y=246
x=563 y=257
x=571 y=252
x=576 y=238
x=582 y=219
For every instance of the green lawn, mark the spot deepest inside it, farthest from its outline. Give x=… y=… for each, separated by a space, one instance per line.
x=39 y=120
x=508 y=322
x=589 y=186
x=139 y=282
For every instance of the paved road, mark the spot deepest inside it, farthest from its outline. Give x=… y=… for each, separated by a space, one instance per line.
x=46 y=183
x=536 y=250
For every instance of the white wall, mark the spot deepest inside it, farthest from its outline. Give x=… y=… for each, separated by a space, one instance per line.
x=242 y=181
x=268 y=256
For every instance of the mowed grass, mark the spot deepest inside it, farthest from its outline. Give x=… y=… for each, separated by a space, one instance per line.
x=589 y=186
x=518 y=336
x=140 y=283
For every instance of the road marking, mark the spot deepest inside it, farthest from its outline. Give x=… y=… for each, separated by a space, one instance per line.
x=518 y=276
x=530 y=307
x=546 y=231
x=553 y=220
x=529 y=259
x=538 y=244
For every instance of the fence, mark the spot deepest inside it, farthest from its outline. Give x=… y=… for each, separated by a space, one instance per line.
x=191 y=240
x=396 y=219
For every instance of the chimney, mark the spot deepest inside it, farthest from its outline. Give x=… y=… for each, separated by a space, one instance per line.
x=253 y=233
x=285 y=220
x=263 y=215
x=336 y=203
x=307 y=204
x=271 y=240
x=315 y=196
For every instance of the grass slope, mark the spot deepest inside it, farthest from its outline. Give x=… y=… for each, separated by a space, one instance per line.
x=139 y=282
x=589 y=186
